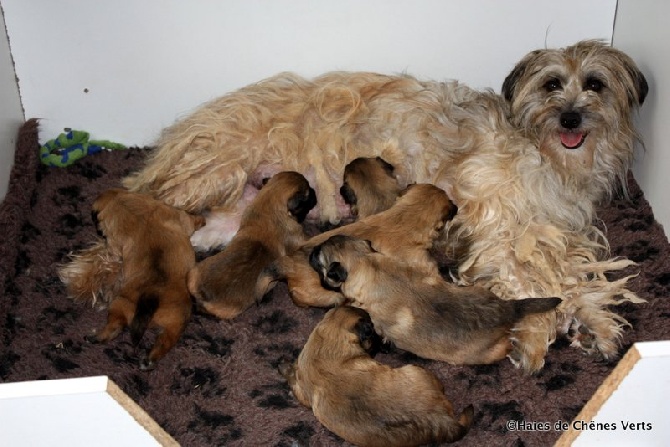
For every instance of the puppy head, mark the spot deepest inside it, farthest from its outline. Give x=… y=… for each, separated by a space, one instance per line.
x=336 y=257
x=428 y=205
x=354 y=324
x=577 y=104
x=293 y=189
x=369 y=186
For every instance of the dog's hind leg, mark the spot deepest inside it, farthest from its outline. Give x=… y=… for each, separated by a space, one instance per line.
x=172 y=321
x=120 y=314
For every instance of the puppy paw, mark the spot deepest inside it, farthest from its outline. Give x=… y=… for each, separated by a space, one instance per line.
x=146 y=364
x=286 y=368
x=92 y=338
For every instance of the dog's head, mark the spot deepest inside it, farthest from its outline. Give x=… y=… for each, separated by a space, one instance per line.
x=427 y=205
x=577 y=104
x=293 y=189
x=354 y=324
x=369 y=186
x=336 y=257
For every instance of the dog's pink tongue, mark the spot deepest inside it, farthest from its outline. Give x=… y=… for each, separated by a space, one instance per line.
x=571 y=140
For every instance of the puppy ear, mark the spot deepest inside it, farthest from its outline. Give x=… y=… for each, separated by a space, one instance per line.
x=370 y=246
x=301 y=203
x=96 y=223
x=388 y=167
x=264 y=181
x=336 y=274
x=370 y=341
x=348 y=194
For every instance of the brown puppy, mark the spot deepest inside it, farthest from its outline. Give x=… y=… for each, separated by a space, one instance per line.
x=226 y=284
x=152 y=240
x=432 y=319
x=369 y=186
x=363 y=401
x=406 y=231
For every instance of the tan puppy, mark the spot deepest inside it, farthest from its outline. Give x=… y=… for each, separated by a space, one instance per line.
x=363 y=401
x=369 y=186
x=432 y=319
x=226 y=284
x=152 y=240
x=406 y=231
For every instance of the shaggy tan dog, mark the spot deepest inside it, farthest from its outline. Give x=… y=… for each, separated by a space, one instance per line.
x=225 y=284
x=524 y=168
x=363 y=401
x=151 y=240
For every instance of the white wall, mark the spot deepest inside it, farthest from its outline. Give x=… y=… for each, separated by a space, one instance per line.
x=11 y=113
x=124 y=69
x=645 y=36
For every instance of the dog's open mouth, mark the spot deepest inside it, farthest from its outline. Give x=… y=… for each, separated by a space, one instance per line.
x=572 y=140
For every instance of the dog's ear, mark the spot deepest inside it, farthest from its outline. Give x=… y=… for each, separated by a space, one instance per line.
x=348 y=194
x=335 y=275
x=301 y=203
x=370 y=341
x=370 y=246
x=96 y=223
x=388 y=167
x=512 y=79
x=451 y=212
x=640 y=88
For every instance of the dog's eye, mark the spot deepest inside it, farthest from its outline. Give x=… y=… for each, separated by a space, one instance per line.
x=552 y=85
x=593 y=84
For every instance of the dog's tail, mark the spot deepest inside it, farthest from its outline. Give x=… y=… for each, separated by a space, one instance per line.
x=529 y=306
x=456 y=430
x=146 y=308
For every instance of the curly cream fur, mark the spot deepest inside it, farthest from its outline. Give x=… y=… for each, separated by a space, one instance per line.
x=526 y=206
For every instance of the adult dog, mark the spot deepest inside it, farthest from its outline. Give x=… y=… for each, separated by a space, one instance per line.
x=525 y=168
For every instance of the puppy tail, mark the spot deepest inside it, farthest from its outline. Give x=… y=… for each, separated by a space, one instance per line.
x=146 y=308
x=529 y=306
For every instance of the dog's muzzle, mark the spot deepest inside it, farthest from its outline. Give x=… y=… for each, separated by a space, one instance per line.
x=571 y=138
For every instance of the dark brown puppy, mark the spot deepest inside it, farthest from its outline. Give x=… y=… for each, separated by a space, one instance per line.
x=363 y=401
x=226 y=284
x=152 y=240
x=369 y=186
x=431 y=318
x=405 y=231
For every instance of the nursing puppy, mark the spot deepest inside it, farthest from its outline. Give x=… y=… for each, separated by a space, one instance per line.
x=151 y=240
x=526 y=168
x=405 y=231
x=226 y=284
x=369 y=186
x=363 y=401
x=432 y=319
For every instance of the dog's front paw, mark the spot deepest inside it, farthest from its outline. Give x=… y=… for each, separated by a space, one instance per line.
x=580 y=336
x=146 y=364
x=92 y=338
x=583 y=337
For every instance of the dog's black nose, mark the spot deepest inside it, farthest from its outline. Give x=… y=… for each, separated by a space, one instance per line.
x=571 y=120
